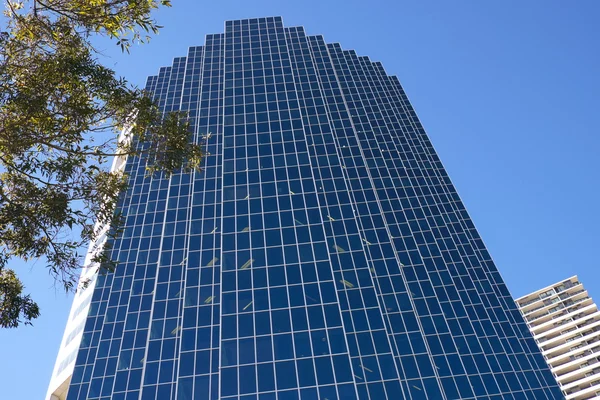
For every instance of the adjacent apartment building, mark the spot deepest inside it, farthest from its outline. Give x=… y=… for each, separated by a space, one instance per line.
x=321 y=253
x=565 y=323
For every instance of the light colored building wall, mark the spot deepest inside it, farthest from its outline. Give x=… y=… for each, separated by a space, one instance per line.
x=65 y=361
x=71 y=341
x=565 y=323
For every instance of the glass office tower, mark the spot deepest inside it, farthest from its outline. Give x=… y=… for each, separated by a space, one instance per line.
x=321 y=253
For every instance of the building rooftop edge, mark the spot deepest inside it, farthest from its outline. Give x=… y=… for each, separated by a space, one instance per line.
x=545 y=288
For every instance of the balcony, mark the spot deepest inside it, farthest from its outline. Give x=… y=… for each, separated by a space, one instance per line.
x=557 y=350
x=559 y=307
x=565 y=361
x=556 y=290
x=574 y=370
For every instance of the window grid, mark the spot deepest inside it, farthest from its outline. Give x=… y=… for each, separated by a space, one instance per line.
x=321 y=253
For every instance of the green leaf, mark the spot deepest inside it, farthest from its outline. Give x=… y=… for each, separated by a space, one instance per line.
x=61 y=111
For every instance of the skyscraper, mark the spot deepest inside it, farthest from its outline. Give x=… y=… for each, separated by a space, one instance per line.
x=322 y=253
x=565 y=323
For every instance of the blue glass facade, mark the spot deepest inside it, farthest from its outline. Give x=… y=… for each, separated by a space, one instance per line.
x=321 y=253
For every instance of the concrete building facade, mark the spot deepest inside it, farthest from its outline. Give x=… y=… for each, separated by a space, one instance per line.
x=565 y=323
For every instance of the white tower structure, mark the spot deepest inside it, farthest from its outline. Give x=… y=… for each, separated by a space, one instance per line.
x=565 y=323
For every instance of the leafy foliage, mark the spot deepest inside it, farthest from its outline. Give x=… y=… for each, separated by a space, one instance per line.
x=61 y=112
x=13 y=303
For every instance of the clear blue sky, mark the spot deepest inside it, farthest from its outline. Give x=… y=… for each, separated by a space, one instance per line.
x=508 y=91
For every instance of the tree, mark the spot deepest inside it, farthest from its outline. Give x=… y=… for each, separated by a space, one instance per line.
x=61 y=112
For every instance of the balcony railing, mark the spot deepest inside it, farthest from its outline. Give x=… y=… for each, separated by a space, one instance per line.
x=557 y=290
x=586 y=353
x=559 y=307
x=567 y=295
x=577 y=336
